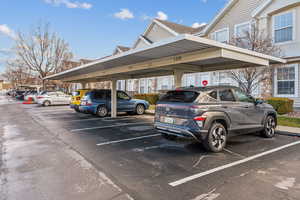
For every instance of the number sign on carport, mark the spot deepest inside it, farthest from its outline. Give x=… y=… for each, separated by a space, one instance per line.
x=175 y=56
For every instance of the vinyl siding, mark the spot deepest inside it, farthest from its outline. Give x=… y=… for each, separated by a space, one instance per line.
x=157 y=34
x=141 y=44
x=296 y=98
x=239 y=13
x=290 y=49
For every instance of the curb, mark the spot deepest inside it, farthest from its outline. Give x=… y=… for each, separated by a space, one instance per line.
x=290 y=131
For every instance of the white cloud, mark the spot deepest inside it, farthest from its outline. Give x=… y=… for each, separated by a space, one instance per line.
x=124 y=14
x=70 y=4
x=4 y=29
x=161 y=15
x=197 y=25
x=204 y=1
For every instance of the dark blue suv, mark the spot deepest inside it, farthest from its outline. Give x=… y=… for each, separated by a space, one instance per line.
x=98 y=102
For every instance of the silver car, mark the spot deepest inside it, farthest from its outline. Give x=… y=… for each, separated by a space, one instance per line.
x=53 y=98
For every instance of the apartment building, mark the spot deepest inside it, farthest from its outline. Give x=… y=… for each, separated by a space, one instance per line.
x=279 y=19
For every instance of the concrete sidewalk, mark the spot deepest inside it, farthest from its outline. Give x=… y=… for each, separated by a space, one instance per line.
x=34 y=165
x=286 y=130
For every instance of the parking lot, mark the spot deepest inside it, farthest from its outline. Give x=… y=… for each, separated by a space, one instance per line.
x=147 y=166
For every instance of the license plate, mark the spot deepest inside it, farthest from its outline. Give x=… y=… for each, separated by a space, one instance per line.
x=169 y=120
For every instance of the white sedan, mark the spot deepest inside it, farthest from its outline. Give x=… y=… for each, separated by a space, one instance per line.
x=53 y=98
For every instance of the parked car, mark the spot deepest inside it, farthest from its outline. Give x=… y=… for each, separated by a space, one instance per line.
x=19 y=94
x=76 y=98
x=31 y=94
x=212 y=114
x=98 y=102
x=53 y=98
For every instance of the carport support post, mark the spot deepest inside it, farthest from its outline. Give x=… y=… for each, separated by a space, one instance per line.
x=114 y=98
x=178 y=78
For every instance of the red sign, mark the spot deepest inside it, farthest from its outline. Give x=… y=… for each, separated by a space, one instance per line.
x=205 y=83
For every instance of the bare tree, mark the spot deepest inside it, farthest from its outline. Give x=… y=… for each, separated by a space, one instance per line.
x=42 y=51
x=250 y=77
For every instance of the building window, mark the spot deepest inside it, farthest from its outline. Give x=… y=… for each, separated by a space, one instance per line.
x=241 y=30
x=283 y=27
x=287 y=81
x=221 y=35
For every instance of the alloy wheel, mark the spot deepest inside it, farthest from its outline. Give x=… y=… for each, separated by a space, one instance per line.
x=218 y=138
x=102 y=111
x=270 y=126
x=140 y=109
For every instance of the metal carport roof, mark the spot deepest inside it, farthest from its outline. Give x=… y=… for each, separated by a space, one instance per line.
x=187 y=53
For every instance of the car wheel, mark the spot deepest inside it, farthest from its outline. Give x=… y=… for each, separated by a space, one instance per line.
x=77 y=110
x=140 y=109
x=216 y=138
x=46 y=103
x=269 y=127
x=102 y=111
x=169 y=137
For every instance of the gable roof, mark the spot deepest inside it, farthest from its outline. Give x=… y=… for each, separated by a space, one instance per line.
x=173 y=28
x=179 y=28
x=123 y=48
x=120 y=49
x=218 y=17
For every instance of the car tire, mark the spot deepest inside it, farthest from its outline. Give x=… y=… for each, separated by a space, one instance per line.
x=77 y=110
x=216 y=138
x=169 y=137
x=269 y=127
x=46 y=103
x=102 y=111
x=140 y=109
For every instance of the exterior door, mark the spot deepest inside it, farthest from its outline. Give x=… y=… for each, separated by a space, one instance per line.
x=254 y=114
x=231 y=107
x=54 y=97
x=124 y=102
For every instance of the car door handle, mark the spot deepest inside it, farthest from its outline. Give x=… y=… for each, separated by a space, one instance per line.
x=224 y=106
x=246 y=106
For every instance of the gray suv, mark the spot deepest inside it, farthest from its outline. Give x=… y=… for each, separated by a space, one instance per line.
x=211 y=114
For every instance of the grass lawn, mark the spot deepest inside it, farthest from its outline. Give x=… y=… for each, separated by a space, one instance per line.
x=152 y=107
x=288 y=121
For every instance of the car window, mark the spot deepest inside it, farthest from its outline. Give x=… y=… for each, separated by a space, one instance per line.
x=51 y=93
x=180 y=96
x=211 y=96
x=123 y=95
x=226 y=95
x=77 y=93
x=99 y=95
x=242 y=97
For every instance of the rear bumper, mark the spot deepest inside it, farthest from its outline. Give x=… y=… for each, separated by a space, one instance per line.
x=180 y=131
x=74 y=106
x=86 y=109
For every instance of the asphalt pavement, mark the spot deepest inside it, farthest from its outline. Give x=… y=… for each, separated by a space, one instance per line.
x=134 y=158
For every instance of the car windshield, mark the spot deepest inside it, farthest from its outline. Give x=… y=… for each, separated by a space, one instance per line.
x=180 y=96
x=77 y=93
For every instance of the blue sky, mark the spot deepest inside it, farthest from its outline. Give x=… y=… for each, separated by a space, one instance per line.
x=94 y=27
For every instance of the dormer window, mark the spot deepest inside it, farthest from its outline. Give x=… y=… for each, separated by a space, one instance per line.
x=284 y=27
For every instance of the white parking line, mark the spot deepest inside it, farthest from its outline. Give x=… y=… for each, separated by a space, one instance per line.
x=126 y=140
x=199 y=175
x=111 y=126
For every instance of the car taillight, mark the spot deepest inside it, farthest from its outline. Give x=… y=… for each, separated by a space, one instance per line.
x=89 y=103
x=200 y=120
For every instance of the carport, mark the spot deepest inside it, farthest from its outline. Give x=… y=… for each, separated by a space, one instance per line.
x=175 y=56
